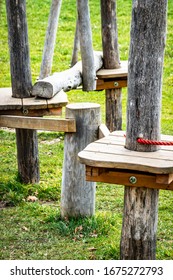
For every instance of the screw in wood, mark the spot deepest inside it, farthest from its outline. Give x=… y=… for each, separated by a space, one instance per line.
x=133 y=180
x=116 y=84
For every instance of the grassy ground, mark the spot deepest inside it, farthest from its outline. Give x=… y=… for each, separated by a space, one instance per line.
x=35 y=230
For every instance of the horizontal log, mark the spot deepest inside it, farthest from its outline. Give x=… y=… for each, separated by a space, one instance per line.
x=65 y=125
x=66 y=80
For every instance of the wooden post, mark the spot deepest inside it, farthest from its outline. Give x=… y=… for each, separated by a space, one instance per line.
x=88 y=69
x=148 y=32
x=78 y=196
x=27 y=147
x=111 y=60
x=49 y=45
x=74 y=59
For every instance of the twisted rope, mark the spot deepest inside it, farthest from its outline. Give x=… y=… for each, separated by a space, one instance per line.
x=153 y=142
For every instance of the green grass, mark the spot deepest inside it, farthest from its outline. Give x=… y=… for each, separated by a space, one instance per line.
x=35 y=230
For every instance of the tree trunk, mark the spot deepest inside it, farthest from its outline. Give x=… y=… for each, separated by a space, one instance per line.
x=66 y=80
x=27 y=146
x=77 y=195
x=49 y=45
x=19 y=48
x=111 y=60
x=88 y=69
x=148 y=32
x=74 y=59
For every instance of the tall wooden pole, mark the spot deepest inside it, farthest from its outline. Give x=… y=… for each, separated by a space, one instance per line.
x=77 y=195
x=50 y=39
x=76 y=45
x=27 y=146
x=85 y=33
x=111 y=60
x=148 y=32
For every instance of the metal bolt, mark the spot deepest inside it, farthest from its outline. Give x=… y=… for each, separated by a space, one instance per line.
x=25 y=111
x=133 y=180
x=116 y=84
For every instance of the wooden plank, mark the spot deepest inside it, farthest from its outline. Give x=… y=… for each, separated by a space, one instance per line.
x=118 y=150
x=33 y=113
x=66 y=125
x=123 y=178
x=110 y=84
x=103 y=131
x=8 y=102
x=126 y=162
x=164 y=178
x=113 y=73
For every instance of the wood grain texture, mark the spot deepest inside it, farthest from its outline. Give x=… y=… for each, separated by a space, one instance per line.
x=64 y=125
x=19 y=48
x=110 y=152
x=148 y=33
x=50 y=39
x=66 y=80
x=111 y=60
x=77 y=195
x=86 y=46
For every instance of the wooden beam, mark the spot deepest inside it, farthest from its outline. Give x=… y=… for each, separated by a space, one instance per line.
x=103 y=131
x=111 y=84
x=65 y=125
x=124 y=177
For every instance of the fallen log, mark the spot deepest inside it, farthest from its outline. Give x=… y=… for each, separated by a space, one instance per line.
x=65 y=80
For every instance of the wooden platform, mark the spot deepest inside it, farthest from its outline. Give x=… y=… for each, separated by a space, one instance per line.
x=31 y=106
x=112 y=78
x=107 y=160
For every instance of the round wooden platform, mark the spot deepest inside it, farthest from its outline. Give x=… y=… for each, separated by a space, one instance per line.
x=107 y=160
x=31 y=106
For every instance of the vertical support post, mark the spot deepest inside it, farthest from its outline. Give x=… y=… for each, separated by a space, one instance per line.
x=77 y=195
x=76 y=44
x=27 y=146
x=148 y=32
x=88 y=68
x=50 y=39
x=111 y=60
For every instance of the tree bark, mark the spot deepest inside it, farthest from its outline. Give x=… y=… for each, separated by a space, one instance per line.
x=74 y=59
x=66 y=80
x=148 y=32
x=27 y=146
x=111 y=60
x=77 y=195
x=19 y=48
x=88 y=69
x=49 y=45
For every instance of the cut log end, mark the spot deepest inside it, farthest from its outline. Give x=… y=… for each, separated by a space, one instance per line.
x=43 y=89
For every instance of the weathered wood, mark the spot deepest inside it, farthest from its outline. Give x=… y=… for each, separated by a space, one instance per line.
x=64 y=125
x=30 y=106
x=50 y=39
x=19 y=48
x=66 y=80
x=112 y=78
x=76 y=45
x=26 y=140
x=109 y=152
x=85 y=35
x=123 y=177
x=122 y=71
x=77 y=195
x=27 y=155
x=111 y=60
x=111 y=84
x=148 y=31
x=103 y=131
